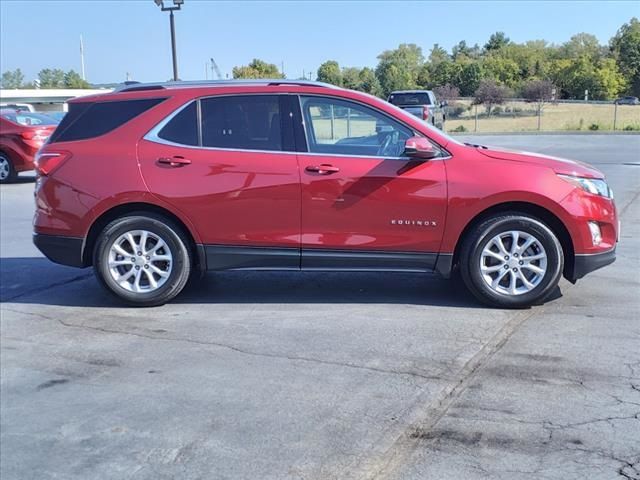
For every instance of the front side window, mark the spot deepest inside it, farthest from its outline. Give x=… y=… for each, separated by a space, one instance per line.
x=250 y=122
x=335 y=126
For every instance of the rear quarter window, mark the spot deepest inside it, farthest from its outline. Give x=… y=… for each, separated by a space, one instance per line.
x=89 y=120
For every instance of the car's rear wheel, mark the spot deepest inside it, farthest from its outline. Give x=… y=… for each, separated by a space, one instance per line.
x=143 y=259
x=511 y=260
x=7 y=171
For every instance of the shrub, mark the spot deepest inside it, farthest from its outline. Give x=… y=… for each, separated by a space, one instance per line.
x=456 y=110
x=498 y=110
x=460 y=128
x=594 y=126
x=631 y=127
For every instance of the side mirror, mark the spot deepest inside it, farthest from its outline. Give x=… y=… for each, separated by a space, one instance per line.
x=419 y=148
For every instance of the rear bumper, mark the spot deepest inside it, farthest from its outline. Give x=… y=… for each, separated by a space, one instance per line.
x=62 y=250
x=584 y=264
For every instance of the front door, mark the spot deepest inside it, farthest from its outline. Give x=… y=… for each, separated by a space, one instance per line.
x=365 y=205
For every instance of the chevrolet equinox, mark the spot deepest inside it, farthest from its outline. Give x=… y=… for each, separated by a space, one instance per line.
x=154 y=183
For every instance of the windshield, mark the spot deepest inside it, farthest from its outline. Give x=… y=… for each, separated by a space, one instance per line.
x=419 y=98
x=28 y=118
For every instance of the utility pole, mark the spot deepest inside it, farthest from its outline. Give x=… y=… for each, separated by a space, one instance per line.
x=82 y=58
x=177 y=4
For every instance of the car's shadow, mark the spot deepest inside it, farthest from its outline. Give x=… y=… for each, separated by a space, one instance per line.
x=39 y=281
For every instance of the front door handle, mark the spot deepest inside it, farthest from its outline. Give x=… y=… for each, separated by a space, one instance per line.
x=324 y=169
x=173 y=162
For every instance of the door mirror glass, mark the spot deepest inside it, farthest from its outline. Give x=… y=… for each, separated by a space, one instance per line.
x=420 y=148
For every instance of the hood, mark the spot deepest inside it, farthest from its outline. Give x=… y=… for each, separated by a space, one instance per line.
x=558 y=165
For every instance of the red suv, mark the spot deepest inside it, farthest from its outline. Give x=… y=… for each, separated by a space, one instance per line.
x=155 y=182
x=21 y=135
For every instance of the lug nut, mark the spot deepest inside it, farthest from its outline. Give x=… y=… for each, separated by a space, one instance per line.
x=506 y=267
x=133 y=259
x=521 y=262
x=138 y=267
x=506 y=257
x=146 y=266
x=515 y=269
x=515 y=255
x=148 y=257
x=139 y=253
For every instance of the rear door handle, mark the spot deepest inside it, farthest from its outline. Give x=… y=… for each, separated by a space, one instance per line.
x=324 y=169
x=173 y=162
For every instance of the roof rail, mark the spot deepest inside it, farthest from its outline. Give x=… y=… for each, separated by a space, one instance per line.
x=136 y=87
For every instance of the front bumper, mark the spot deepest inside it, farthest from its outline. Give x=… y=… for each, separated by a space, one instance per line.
x=63 y=250
x=584 y=264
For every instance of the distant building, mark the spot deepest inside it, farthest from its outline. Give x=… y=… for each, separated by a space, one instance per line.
x=46 y=99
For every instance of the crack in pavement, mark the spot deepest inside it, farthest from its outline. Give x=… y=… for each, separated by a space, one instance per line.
x=234 y=348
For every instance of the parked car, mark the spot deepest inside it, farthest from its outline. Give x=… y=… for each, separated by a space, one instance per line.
x=20 y=107
x=153 y=183
x=628 y=101
x=421 y=103
x=22 y=133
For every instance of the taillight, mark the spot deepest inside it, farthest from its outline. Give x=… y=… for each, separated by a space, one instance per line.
x=47 y=162
x=425 y=113
x=35 y=138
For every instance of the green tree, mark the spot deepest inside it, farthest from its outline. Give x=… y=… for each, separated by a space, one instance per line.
x=369 y=82
x=73 y=80
x=581 y=45
x=398 y=69
x=51 y=78
x=496 y=41
x=438 y=54
x=503 y=70
x=257 y=69
x=611 y=81
x=12 y=79
x=625 y=46
x=351 y=78
x=469 y=78
x=329 y=72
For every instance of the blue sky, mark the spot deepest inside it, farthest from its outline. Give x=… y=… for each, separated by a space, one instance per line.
x=133 y=36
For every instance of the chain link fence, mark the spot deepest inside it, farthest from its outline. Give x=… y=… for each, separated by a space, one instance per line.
x=518 y=115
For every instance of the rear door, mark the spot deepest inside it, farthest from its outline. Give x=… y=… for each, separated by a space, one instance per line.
x=227 y=163
x=364 y=205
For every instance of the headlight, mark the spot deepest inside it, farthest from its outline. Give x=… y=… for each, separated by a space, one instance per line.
x=591 y=185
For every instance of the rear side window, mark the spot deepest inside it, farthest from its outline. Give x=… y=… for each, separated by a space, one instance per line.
x=88 y=120
x=251 y=122
x=183 y=127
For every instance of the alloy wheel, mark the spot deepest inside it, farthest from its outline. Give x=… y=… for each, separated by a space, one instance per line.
x=513 y=262
x=140 y=261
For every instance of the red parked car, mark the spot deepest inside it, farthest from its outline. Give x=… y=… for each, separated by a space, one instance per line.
x=22 y=133
x=155 y=182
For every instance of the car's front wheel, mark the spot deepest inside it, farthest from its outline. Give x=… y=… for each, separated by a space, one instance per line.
x=511 y=260
x=143 y=259
x=7 y=171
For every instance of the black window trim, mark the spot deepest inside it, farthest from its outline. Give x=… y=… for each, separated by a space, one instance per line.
x=153 y=134
x=301 y=126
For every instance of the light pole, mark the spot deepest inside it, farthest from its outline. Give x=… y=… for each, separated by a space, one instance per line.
x=176 y=6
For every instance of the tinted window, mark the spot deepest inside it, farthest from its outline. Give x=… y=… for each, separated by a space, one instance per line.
x=88 y=120
x=410 y=99
x=339 y=127
x=183 y=128
x=250 y=122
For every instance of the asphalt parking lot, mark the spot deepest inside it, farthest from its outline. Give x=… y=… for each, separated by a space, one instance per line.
x=323 y=376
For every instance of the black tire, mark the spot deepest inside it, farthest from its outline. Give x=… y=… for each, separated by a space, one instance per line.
x=480 y=236
x=177 y=243
x=11 y=176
